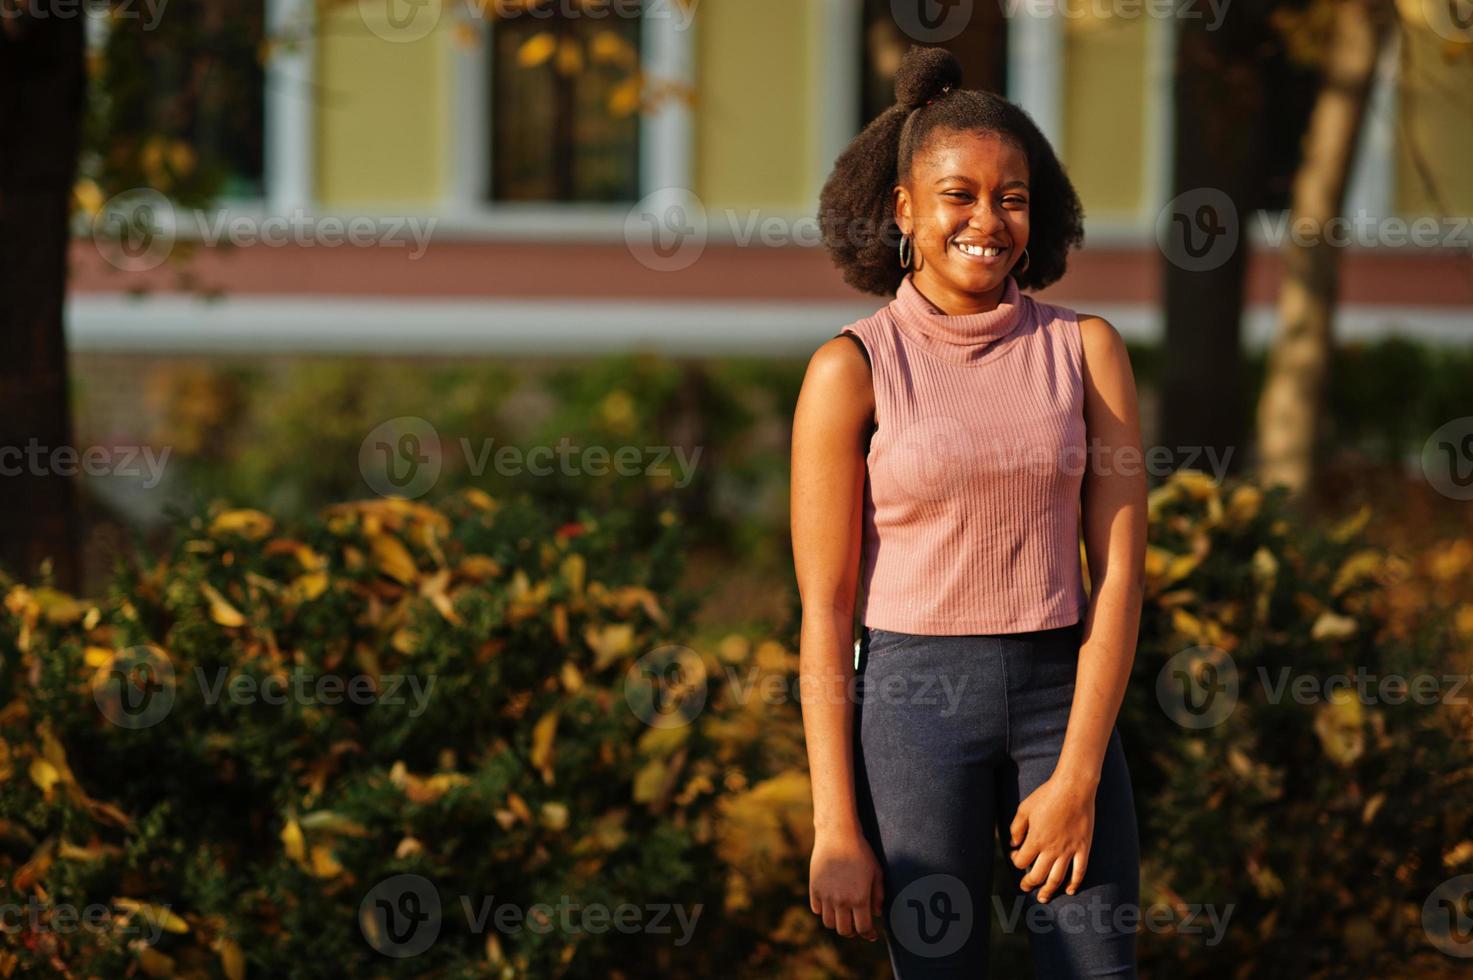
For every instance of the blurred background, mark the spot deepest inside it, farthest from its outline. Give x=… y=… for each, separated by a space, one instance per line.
x=452 y=348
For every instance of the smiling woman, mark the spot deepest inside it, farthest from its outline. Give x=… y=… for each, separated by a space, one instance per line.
x=939 y=468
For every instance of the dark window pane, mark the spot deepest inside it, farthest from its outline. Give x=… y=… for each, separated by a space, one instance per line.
x=555 y=135
x=981 y=47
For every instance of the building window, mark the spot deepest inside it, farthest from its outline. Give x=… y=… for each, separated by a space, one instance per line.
x=190 y=94
x=565 y=108
x=980 y=44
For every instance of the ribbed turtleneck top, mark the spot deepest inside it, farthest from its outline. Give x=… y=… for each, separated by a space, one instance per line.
x=974 y=469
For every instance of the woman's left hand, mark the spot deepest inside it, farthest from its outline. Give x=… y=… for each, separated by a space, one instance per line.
x=1053 y=829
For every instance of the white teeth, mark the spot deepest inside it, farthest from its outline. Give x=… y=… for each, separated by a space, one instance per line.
x=988 y=251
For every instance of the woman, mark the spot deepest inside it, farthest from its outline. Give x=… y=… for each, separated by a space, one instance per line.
x=939 y=461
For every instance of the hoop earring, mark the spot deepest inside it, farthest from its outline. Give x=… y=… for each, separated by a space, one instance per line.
x=905 y=252
x=1026 y=260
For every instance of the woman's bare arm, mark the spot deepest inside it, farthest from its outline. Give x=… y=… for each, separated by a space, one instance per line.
x=1114 y=523
x=830 y=427
x=1053 y=828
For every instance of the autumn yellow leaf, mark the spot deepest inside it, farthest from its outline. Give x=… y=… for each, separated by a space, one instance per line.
x=569 y=57
x=555 y=815
x=1332 y=626
x=154 y=963
x=293 y=841
x=609 y=642
x=247 y=523
x=44 y=775
x=232 y=958
x=393 y=559
x=221 y=611
x=323 y=863
x=544 y=734
x=157 y=915
x=536 y=50
x=625 y=98
x=609 y=48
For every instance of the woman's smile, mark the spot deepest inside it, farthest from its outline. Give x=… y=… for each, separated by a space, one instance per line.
x=987 y=254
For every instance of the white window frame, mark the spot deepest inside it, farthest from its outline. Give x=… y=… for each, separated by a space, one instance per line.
x=666 y=141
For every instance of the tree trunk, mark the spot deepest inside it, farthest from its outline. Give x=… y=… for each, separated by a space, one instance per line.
x=42 y=88
x=1291 y=410
x=1218 y=92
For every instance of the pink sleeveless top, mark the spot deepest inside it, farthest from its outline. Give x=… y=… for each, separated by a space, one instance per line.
x=971 y=502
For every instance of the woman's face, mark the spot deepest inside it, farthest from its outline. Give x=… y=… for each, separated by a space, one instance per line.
x=965 y=206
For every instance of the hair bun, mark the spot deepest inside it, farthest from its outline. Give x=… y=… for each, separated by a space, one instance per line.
x=924 y=74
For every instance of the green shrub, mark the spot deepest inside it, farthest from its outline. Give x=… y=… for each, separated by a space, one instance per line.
x=249 y=833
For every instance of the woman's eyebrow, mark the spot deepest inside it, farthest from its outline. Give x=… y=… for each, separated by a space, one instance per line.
x=968 y=180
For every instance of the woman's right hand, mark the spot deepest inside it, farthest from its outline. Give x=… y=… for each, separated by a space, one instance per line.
x=846 y=886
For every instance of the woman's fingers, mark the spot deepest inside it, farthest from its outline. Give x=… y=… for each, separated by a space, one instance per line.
x=1018 y=829
x=1081 y=861
x=1026 y=855
x=864 y=923
x=1056 y=874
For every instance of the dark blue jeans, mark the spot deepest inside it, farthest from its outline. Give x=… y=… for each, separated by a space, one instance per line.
x=951 y=733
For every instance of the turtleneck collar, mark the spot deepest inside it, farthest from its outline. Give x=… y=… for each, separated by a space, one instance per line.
x=958 y=338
